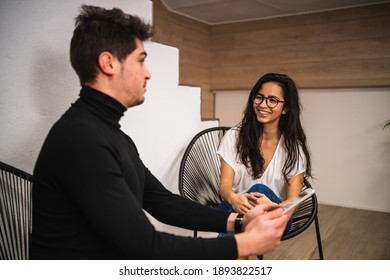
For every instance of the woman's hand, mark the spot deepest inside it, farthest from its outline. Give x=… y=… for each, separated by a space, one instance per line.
x=262 y=199
x=256 y=198
x=241 y=203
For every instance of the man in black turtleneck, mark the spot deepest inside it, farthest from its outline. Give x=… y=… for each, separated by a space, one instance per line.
x=90 y=186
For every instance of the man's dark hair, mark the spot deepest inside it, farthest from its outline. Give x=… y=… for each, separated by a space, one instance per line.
x=98 y=30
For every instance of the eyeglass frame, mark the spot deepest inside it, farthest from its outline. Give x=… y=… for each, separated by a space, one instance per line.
x=266 y=100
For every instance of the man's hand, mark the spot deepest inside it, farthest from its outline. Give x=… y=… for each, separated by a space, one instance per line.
x=263 y=229
x=258 y=211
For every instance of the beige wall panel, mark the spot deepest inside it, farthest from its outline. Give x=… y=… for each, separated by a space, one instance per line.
x=192 y=38
x=174 y=29
x=307 y=19
x=346 y=48
x=323 y=32
x=335 y=49
x=347 y=73
x=193 y=71
x=207 y=103
x=293 y=53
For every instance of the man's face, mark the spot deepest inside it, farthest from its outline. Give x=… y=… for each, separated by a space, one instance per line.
x=133 y=77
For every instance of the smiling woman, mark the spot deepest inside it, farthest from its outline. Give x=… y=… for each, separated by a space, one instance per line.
x=265 y=157
x=269 y=111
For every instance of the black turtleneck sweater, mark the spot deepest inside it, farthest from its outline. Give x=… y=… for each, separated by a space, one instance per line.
x=90 y=189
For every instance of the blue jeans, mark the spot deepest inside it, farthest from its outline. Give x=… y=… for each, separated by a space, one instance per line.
x=226 y=206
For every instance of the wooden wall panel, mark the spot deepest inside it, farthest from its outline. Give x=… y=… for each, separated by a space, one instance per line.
x=336 y=49
x=346 y=48
x=309 y=75
x=192 y=38
x=304 y=53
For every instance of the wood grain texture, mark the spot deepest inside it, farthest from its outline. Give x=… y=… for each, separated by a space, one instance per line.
x=347 y=234
x=192 y=38
x=336 y=49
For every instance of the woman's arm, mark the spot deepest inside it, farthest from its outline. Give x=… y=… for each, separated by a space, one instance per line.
x=294 y=187
x=241 y=202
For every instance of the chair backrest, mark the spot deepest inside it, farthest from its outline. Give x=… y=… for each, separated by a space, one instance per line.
x=15 y=212
x=304 y=215
x=199 y=173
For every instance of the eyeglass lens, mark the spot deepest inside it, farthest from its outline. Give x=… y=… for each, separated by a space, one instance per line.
x=270 y=101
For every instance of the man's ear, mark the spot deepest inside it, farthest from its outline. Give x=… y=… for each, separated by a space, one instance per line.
x=106 y=61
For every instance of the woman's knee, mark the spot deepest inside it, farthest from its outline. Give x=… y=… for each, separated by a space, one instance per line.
x=259 y=188
x=266 y=191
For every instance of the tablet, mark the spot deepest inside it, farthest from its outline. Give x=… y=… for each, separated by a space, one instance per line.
x=299 y=199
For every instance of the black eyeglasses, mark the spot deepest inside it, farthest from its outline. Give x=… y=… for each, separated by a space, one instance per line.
x=271 y=102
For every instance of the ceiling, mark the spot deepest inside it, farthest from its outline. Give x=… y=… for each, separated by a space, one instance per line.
x=226 y=11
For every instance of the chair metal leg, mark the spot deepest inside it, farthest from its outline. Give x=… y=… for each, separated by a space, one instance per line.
x=319 y=243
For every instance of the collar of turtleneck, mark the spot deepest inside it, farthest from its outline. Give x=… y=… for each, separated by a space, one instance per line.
x=102 y=105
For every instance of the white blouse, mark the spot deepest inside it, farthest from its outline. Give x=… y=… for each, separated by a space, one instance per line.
x=273 y=175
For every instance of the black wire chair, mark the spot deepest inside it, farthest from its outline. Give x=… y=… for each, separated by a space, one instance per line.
x=15 y=212
x=199 y=177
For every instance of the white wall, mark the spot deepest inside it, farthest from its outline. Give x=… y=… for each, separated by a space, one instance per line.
x=351 y=152
x=38 y=85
